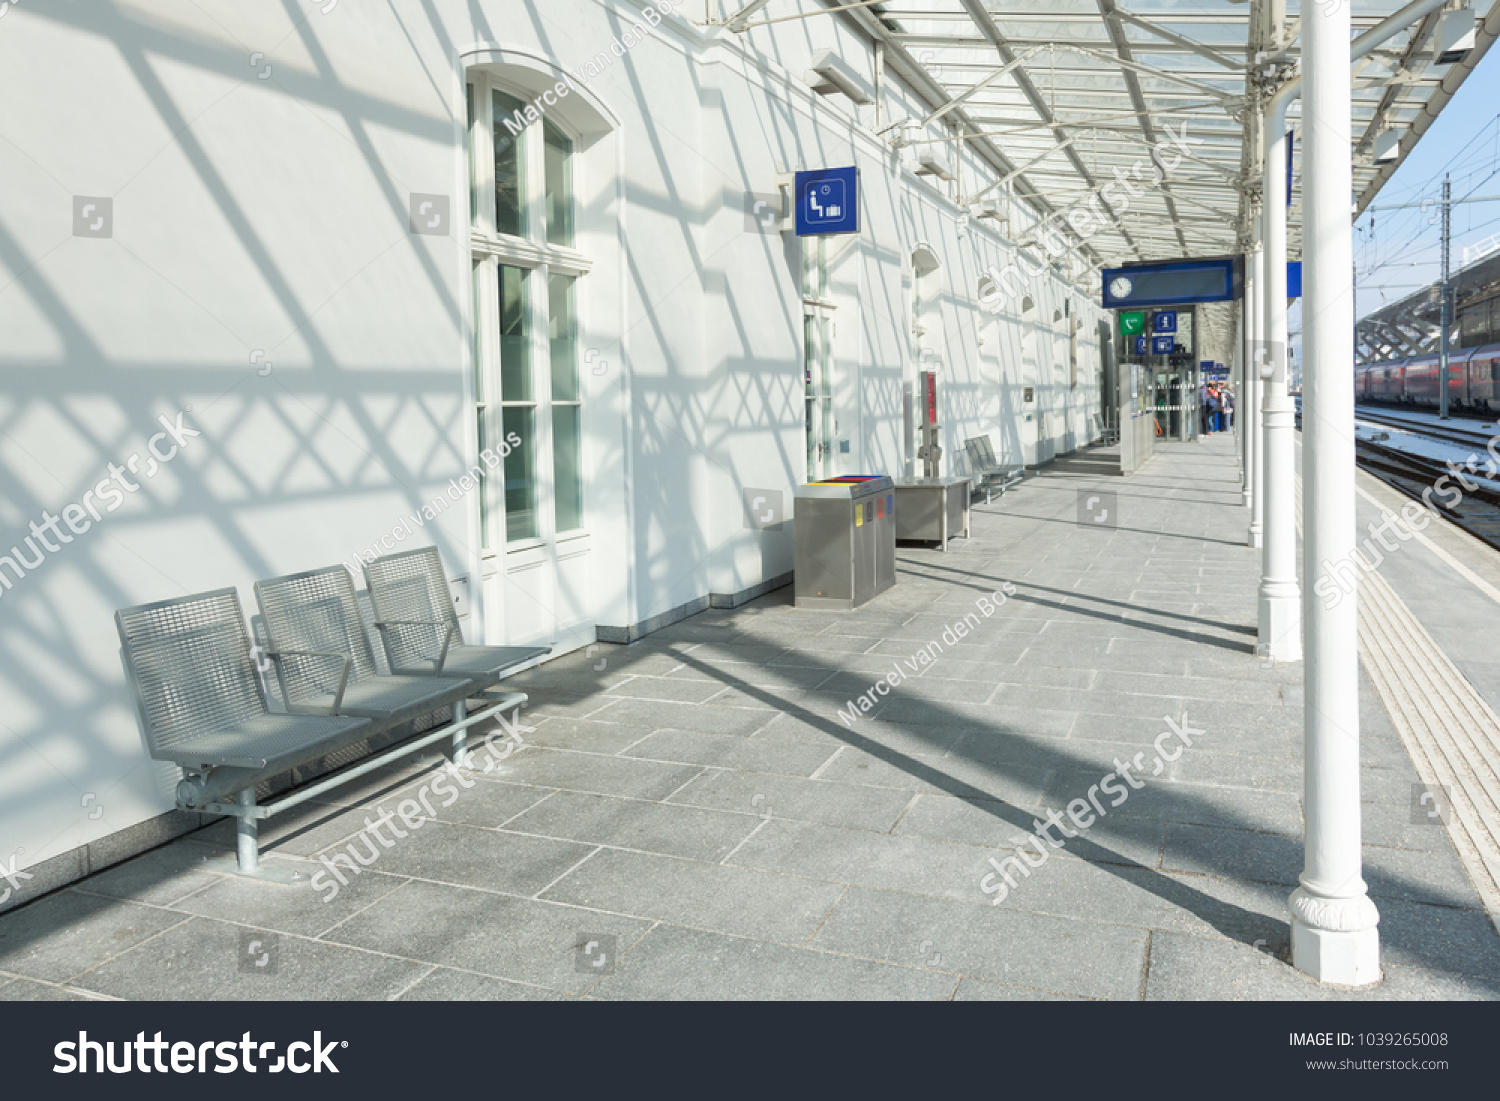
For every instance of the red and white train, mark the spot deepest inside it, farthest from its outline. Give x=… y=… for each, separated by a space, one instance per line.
x=1473 y=379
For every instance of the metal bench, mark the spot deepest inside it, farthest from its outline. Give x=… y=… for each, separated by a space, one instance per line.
x=311 y=615
x=204 y=709
x=986 y=471
x=418 y=627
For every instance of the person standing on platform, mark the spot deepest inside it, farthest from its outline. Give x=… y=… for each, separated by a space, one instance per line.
x=1228 y=407
x=1203 y=405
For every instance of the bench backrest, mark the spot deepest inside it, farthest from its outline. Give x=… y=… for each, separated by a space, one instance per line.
x=981 y=453
x=190 y=665
x=315 y=611
x=412 y=586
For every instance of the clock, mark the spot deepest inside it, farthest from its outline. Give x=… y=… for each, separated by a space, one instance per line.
x=1120 y=287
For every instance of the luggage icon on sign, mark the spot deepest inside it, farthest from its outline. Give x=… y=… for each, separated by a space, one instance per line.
x=825 y=201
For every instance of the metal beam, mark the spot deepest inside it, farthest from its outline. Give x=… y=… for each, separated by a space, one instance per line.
x=1186 y=43
x=981 y=17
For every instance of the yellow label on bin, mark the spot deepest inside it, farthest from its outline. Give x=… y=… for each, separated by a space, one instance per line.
x=859 y=516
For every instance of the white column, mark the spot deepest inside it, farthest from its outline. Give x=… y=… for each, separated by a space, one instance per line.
x=1334 y=934
x=1251 y=396
x=1280 y=603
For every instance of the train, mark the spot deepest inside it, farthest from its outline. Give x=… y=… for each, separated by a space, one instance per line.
x=1473 y=380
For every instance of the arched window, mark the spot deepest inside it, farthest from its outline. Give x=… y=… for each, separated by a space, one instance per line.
x=526 y=381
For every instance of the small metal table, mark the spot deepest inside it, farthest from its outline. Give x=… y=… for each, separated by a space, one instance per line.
x=932 y=509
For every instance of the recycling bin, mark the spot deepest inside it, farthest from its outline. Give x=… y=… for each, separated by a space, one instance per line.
x=844 y=541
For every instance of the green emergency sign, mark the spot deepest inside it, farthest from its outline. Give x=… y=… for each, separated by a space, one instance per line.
x=1132 y=322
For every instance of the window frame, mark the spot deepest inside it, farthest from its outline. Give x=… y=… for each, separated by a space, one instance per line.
x=538 y=260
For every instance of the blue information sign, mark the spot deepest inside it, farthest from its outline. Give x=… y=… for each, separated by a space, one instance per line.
x=1140 y=345
x=1294 y=278
x=1162 y=345
x=827 y=201
x=1174 y=283
x=1164 y=321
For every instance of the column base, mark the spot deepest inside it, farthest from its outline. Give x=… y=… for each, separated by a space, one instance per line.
x=1254 y=538
x=1348 y=953
x=1280 y=621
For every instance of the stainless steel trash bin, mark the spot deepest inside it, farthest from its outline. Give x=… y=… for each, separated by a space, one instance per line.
x=932 y=509
x=844 y=539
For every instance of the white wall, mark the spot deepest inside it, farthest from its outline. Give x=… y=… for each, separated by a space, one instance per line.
x=270 y=216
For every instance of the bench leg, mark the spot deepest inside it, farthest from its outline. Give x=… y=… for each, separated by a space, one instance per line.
x=459 y=753
x=247 y=835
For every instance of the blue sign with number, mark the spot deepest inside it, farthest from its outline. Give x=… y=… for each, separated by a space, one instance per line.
x=827 y=201
x=1164 y=321
x=1162 y=345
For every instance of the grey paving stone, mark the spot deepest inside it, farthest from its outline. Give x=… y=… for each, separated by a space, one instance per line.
x=1126 y=729
x=835 y=804
x=781 y=752
x=977 y=990
x=454 y=927
x=920 y=739
x=1035 y=697
x=68 y=932
x=980 y=822
x=690 y=964
x=308 y=908
x=668 y=689
x=1390 y=825
x=665 y=828
x=587 y=735
x=1062 y=955
x=773 y=701
x=28 y=990
x=200 y=960
x=1019 y=784
x=738 y=901
x=569 y=771
x=914 y=865
x=470 y=857
x=1196 y=804
x=443 y=984
x=755 y=674
x=488 y=800
x=563 y=705
x=997 y=718
x=1439 y=938
x=159 y=877
x=1188 y=968
x=684 y=716
x=1192 y=689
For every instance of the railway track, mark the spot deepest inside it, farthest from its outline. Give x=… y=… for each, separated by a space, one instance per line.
x=1478 y=513
x=1447 y=433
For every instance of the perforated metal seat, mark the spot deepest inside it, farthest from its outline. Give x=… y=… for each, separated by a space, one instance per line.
x=419 y=628
x=323 y=657
x=201 y=703
x=987 y=471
